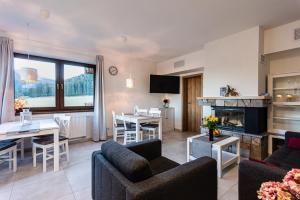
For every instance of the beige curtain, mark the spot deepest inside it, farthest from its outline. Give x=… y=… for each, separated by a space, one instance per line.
x=6 y=80
x=99 y=132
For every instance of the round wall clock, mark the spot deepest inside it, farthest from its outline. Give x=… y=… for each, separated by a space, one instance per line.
x=113 y=70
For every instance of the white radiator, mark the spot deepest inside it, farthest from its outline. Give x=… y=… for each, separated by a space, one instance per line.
x=81 y=123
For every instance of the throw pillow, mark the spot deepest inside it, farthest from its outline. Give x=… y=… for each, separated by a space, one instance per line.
x=294 y=143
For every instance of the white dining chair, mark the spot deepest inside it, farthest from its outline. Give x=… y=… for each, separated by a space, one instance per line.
x=47 y=145
x=8 y=153
x=118 y=128
x=151 y=128
x=130 y=133
x=20 y=145
x=140 y=111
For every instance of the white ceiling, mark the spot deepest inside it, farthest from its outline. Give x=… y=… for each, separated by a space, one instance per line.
x=156 y=29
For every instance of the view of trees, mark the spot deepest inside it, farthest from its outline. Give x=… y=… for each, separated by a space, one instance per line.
x=75 y=86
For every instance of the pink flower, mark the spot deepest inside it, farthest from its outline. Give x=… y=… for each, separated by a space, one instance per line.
x=273 y=191
x=292 y=182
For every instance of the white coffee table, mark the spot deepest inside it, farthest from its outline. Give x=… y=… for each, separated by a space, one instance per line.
x=224 y=158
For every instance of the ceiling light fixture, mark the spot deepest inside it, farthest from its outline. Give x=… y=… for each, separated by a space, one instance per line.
x=129 y=80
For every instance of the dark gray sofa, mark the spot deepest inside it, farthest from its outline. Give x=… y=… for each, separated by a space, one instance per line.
x=139 y=171
x=252 y=174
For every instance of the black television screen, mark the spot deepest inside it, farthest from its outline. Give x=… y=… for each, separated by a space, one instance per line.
x=164 y=84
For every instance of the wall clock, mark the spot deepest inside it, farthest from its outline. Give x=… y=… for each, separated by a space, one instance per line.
x=113 y=70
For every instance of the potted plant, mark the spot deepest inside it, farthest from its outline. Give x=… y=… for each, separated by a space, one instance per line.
x=210 y=123
x=166 y=103
x=20 y=104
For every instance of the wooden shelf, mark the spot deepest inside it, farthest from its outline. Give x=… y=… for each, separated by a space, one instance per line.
x=236 y=98
x=296 y=103
x=288 y=118
x=287 y=88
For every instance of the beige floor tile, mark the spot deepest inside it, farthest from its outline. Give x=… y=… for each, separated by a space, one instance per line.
x=67 y=197
x=84 y=194
x=231 y=194
x=50 y=187
x=79 y=176
x=5 y=195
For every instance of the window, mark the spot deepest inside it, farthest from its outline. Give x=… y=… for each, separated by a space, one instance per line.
x=35 y=81
x=54 y=85
x=79 y=86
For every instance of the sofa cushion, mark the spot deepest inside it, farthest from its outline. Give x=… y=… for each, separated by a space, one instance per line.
x=133 y=166
x=162 y=164
x=285 y=158
x=264 y=162
x=294 y=143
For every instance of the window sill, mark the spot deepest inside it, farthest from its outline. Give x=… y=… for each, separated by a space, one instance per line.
x=36 y=112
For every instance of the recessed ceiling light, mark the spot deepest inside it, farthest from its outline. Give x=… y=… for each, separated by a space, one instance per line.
x=44 y=13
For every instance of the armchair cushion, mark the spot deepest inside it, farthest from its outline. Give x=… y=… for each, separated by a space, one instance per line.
x=162 y=164
x=252 y=175
x=149 y=149
x=193 y=180
x=131 y=165
x=285 y=158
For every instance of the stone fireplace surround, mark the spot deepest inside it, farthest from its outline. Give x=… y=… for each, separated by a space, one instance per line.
x=254 y=144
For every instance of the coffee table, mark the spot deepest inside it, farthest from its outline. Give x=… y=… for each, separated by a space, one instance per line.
x=199 y=146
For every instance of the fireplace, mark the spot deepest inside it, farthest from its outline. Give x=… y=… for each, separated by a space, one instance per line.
x=252 y=120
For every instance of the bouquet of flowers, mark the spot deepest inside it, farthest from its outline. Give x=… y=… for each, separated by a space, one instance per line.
x=292 y=182
x=289 y=189
x=20 y=104
x=166 y=102
x=210 y=122
x=273 y=191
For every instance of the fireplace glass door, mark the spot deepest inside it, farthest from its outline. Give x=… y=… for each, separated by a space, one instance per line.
x=232 y=119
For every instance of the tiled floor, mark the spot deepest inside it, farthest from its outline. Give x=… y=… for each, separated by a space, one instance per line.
x=73 y=181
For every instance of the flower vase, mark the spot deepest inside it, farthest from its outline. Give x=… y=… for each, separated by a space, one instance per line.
x=211 y=135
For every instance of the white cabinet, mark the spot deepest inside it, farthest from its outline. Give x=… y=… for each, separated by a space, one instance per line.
x=168 y=119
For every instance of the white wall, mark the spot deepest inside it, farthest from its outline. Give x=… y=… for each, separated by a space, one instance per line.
x=284 y=62
x=233 y=60
x=193 y=61
x=281 y=38
x=122 y=99
x=117 y=96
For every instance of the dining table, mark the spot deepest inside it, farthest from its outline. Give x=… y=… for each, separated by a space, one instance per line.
x=15 y=130
x=138 y=120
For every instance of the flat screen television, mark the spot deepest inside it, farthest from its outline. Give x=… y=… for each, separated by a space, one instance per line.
x=164 y=84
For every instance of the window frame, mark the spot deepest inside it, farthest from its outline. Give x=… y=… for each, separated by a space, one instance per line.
x=59 y=85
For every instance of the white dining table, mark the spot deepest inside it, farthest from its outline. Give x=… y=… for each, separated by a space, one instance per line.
x=14 y=130
x=138 y=119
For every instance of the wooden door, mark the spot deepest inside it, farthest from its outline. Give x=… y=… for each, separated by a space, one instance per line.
x=192 y=111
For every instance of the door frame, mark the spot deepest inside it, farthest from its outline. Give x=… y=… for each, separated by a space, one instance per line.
x=185 y=99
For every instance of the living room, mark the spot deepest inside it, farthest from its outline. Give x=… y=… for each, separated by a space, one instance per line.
x=143 y=100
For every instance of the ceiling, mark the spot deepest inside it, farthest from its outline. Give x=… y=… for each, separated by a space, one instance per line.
x=155 y=30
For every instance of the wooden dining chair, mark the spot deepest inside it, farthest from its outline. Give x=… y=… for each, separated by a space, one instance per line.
x=47 y=145
x=8 y=153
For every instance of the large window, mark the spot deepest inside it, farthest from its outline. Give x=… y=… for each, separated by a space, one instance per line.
x=54 y=85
